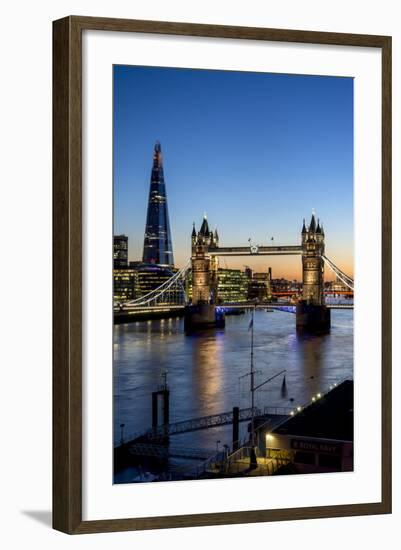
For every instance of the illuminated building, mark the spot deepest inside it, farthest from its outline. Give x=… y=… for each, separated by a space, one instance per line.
x=139 y=279
x=336 y=286
x=124 y=284
x=120 y=251
x=150 y=277
x=232 y=286
x=157 y=247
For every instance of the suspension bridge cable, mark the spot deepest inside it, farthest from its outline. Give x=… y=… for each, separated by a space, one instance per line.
x=342 y=276
x=157 y=292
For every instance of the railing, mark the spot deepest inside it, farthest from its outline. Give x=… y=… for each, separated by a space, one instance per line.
x=205 y=422
x=194 y=424
x=285 y=411
x=239 y=462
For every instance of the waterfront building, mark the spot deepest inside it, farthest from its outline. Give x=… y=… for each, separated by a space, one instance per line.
x=336 y=286
x=259 y=287
x=150 y=277
x=280 y=285
x=317 y=438
x=188 y=286
x=124 y=284
x=158 y=247
x=232 y=285
x=139 y=279
x=120 y=251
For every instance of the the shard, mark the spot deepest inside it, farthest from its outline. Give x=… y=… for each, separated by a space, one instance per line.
x=158 y=247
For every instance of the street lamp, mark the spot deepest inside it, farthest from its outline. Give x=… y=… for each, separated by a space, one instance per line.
x=217 y=445
x=122 y=434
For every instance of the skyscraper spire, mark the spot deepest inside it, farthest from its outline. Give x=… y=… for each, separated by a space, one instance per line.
x=157 y=246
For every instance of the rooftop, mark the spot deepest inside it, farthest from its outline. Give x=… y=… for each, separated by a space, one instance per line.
x=330 y=417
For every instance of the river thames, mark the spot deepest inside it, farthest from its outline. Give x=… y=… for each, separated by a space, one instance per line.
x=205 y=371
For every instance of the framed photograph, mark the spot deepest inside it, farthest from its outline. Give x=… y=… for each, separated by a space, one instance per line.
x=222 y=274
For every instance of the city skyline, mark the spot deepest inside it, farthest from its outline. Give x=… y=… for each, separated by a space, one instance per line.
x=255 y=151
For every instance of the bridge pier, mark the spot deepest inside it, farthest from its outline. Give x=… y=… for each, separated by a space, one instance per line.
x=203 y=316
x=312 y=318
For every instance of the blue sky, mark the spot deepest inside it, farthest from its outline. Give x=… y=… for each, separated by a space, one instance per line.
x=255 y=151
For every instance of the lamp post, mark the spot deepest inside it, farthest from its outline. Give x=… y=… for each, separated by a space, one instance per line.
x=122 y=434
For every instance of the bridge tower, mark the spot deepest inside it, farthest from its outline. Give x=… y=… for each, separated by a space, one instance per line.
x=200 y=261
x=312 y=313
x=202 y=313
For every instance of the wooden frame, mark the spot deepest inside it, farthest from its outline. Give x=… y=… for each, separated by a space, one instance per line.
x=67 y=261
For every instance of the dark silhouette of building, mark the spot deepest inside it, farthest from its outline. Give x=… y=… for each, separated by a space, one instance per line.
x=158 y=247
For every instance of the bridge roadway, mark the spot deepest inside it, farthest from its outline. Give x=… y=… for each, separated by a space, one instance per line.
x=279 y=305
x=166 y=310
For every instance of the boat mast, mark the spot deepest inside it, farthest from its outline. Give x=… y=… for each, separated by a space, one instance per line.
x=252 y=386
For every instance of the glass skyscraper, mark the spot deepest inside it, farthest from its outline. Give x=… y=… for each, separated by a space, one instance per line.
x=158 y=247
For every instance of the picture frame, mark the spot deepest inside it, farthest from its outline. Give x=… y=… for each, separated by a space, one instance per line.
x=67 y=274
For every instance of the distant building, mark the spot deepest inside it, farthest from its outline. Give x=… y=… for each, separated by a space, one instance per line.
x=232 y=285
x=336 y=286
x=248 y=272
x=124 y=284
x=139 y=279
x=157 y=247
x=120 y=251
x=259 y=287
x=281 y=285
x=150 y=277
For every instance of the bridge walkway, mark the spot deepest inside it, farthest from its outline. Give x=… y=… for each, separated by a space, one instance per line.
x=206 y=422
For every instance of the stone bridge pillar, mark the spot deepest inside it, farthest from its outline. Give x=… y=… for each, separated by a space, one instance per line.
x=312 y=313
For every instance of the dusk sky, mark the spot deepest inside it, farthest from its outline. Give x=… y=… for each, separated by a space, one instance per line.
x=255 y=151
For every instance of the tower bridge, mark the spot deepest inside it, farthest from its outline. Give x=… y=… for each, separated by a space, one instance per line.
x=312 y=313
x=311 y=304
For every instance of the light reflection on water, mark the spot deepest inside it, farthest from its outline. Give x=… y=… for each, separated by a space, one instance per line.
x=204 y=369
